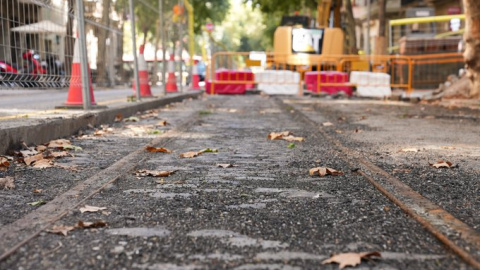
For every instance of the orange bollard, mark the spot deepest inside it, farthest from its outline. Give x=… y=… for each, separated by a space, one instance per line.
x=171 y=85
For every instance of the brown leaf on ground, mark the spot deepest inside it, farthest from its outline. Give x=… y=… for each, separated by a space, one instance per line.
x=87 y=225
x=293 y=139
x=7 y=183
x=322 y=171
x=442 y=164
x=4 y=164
x=154 y=173
x=118 y=117
x=40 y=148
x=42 y=164
x=162 y=123
x=408 y=150
x=350 y=259
x=89 y=208
x=28 y=152
x=327 y=124
x=61 y=229
x=152 y=149
x=60 y=143
x=278 y=135
x=131 y=119
x=190 y=154
x=33 y=159
x=38 y=190
x=226 y=165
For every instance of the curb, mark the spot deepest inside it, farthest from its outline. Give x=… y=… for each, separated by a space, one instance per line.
x=58 y=128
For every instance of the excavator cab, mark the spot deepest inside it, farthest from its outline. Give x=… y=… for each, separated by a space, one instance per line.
x=296 y=43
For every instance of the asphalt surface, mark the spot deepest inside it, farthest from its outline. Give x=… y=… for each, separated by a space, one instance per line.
x=266 y=212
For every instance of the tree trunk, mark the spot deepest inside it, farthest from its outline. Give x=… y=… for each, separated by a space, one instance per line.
x=351 y=36
x=69 y=38
x=380 y=42
x=102 y=78
x=472 y=40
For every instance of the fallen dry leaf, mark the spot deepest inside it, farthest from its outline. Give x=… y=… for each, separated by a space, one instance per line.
x=339 y=131
x=131 y=119
x=442 y=164
x=28 y=152
x=4 y=164
x=154 y=173
x=43 y=163
x=7 y=183
x=278 y=135
x=61 y=229
x=89 y=208
x=293 y=139
x=118 y=117
x=190 y=154
x=350 y=259
x=327 y=124
x=162 y=123
x=152 y=149
x=322 y=171
x=226 y=165
x=408 y=150
x=38 y=190
x=401 y=171
x=31 y=159
x=41 y=148
x=60 y=143
x=208 y=150
x=87 y=225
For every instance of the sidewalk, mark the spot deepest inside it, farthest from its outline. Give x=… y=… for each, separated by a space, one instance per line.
x=29 y=115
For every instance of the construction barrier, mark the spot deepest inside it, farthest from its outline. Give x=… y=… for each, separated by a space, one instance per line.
x=231 y=82
x=278 y=82
x=370 y=84
x=368 y=76
x=329 y=82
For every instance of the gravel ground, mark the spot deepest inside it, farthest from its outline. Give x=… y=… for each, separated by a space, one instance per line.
x=264 y=213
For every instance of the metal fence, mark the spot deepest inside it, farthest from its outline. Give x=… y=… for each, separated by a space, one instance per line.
x=38 y=40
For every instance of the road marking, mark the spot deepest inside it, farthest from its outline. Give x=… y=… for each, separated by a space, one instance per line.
x=26 y=115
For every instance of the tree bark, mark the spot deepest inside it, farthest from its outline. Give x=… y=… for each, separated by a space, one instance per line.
x=102 y=78
x=472 y=40
x=380 y=42
x=351 y=36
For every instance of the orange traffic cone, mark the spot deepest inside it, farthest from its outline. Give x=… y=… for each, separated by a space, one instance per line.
x=172 y=79
x=145 y=90
x=75 y=98
x=195 y=77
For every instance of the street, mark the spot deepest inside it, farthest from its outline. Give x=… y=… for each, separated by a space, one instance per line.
x=240 y=200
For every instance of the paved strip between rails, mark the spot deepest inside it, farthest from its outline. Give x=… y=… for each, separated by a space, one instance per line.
x=264 y=213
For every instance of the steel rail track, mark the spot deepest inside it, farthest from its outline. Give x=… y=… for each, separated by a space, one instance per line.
x=432 y=217
x=27 y=228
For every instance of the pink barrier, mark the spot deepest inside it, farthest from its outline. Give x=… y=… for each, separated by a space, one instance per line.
x=223 y=87
x=312 y=78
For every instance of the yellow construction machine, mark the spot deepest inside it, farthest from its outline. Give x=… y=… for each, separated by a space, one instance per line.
x=298 y=42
